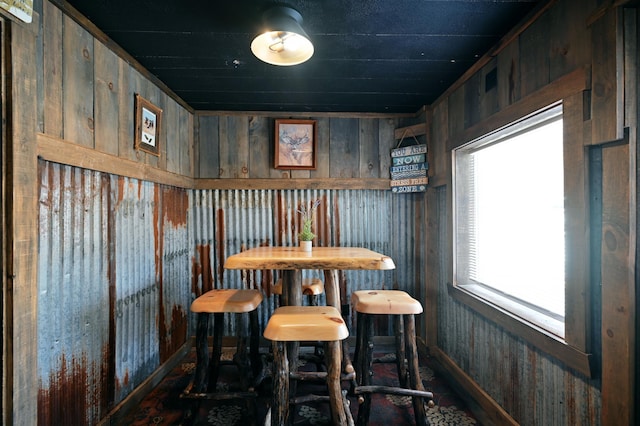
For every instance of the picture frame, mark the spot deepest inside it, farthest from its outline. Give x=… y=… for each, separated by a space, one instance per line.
x=295 y=144
x=148 y=120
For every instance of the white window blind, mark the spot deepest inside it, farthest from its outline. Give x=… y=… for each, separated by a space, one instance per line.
x=509 y=201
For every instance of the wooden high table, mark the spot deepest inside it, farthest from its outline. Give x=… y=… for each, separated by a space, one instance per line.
x=292 y=260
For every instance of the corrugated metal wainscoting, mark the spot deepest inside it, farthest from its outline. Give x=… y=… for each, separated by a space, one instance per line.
x=225 y=222
x=518 y=376
x=120 y=261
x=114 y=293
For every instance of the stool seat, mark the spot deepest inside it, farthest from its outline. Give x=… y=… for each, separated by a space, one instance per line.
x=299 y=323
x=227 y=300
x=310 y=287
x=385 y=302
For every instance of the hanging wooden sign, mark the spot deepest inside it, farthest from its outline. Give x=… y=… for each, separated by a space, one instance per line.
x=409 y=159
x=409 y=171
x=410 y=185
x=409 y=166
x=409 y=150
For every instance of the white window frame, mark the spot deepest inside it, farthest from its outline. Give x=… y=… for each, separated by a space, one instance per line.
x=537 y=318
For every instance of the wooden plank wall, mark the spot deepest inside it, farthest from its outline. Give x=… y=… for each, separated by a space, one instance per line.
x=72 y=101
x=20 y=309
x=598 y=40
x=241 y=146
x=88 y=96
x=619 y=220
x=72 y=92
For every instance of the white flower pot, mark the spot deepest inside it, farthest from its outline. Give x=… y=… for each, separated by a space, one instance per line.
x=305 y=245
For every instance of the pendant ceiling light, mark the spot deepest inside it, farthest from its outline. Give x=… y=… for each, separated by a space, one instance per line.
x=283 y=41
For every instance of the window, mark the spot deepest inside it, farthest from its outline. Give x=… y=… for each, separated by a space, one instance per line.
x=509 y=219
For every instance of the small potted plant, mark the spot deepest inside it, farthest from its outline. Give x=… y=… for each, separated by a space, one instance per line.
x=306 y=234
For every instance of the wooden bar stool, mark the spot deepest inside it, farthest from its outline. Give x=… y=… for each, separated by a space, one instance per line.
x=297 y=323
x=220 y=302
x=403 y=307
x=311 y=287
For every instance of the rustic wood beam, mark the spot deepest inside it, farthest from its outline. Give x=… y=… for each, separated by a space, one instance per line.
x=409 y=131
x=565 y=86
x=303 y=183
x=60 y=151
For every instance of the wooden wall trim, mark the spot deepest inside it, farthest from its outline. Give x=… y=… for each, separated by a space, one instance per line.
x=60 y=151
x=618 y=288
x=411 y=131
x=327 y=183
x=492 y=412
x=133 y=400
x=20 y=293
x=607 y=6
x=563 y=87
x=295 y=114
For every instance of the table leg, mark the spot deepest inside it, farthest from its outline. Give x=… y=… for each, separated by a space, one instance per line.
x=337 y=407
x=281 y=383
x=292 y=296
x=332 y=292
x=332 y=288
x=291 y=287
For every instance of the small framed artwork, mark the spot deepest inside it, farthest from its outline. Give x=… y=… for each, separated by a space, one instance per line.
x=147 y=126
x=295 y=144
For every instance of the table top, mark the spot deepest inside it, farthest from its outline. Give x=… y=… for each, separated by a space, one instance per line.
x=319 y=258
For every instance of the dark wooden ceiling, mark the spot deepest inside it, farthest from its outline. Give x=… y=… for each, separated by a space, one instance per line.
x=371 y=56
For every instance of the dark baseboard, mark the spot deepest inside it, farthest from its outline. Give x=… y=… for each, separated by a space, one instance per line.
x=120 y=411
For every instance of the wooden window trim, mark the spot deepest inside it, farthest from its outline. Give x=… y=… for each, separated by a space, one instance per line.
x=573 y=349
x=536 y=336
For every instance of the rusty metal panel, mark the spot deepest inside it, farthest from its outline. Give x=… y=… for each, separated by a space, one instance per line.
x=73 y=295
x=175 y=279
x=137 y=283
x=114 y=288
x=229 y=221
x=201 y=228
x=202 y=236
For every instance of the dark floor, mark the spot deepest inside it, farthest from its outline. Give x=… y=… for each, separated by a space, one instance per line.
x=164 y=405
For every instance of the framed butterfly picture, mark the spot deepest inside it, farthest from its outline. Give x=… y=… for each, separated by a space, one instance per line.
x=147 y=126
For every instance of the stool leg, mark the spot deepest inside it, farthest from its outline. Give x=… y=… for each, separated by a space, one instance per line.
x=240 y=358
x=414 y=372
x=202 y=353
x=365 y=365
x=214 y=364
x=280 y=397
x=254 y=344
x=334 y=360
x=401 y=355
x=292 y=296
x=357 y=352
